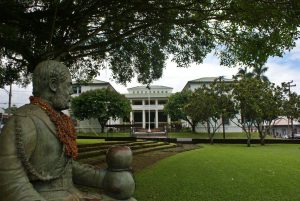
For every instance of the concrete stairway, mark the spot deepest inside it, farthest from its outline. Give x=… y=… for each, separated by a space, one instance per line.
x=95 y=153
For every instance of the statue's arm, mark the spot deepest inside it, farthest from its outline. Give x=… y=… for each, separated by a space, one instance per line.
x=14 y=182
x=87 y=175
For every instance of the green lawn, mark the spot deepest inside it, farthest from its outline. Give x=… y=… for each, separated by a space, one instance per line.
x=217 y=135
x=224 y=173
x=181 y=135
x=90 y=141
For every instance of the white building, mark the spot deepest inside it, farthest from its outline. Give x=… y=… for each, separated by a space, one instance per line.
x=140 y=97
x=205 y=81
x=91 y=125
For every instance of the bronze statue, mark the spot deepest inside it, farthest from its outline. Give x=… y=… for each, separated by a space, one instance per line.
x=38 y=149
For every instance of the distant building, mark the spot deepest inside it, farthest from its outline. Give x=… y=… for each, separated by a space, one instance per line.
x=91 y=125
x=139 y=98
x=204 y=81
x=282 y=127
x=93 y=85
x=192 y=85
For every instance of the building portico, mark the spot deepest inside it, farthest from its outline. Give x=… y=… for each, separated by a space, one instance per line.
x=144 y=100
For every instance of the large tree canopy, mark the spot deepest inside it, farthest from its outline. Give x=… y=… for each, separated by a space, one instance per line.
x=136 y=37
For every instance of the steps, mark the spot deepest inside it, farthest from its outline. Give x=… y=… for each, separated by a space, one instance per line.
x=95 y=153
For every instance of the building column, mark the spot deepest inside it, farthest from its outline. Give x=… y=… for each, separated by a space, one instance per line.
x=131 y=117
x=144 y=119
x=169 y=120
x=156 y=118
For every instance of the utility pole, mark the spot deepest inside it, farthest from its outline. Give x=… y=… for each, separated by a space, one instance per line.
x=9 y=96
x=287 y=87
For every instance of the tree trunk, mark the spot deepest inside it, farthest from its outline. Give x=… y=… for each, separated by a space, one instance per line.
x=102 y=128
x=262 y=140
x=211 y=139
x=193 y=128
x=102 y=124
x=208 y=127
x=248 y=142
x=223 y=125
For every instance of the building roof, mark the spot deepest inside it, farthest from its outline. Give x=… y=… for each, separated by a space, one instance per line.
x=151 y=87
x=204 y=80
x=93 y=82
x=284 y=122
x=210 y=79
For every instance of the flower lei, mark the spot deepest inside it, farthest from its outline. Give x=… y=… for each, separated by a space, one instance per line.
x=65 y=129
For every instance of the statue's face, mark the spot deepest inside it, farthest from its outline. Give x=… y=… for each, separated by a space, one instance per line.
x=62 y=97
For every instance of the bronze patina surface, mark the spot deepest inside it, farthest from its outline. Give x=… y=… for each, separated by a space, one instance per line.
x=37 y=164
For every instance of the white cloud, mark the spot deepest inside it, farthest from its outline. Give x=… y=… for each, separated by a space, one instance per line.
x=177 y=77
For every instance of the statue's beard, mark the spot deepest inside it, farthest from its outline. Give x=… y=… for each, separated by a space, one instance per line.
x=60 y=102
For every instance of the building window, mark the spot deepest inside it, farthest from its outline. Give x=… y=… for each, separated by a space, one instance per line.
x=76 y=89
x=226 y=121
x=137 y=102
x=162 y=102
x=152 y=102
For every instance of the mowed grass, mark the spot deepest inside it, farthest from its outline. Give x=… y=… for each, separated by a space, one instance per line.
x=224 y=173
x=237 y=135
x=89 y=141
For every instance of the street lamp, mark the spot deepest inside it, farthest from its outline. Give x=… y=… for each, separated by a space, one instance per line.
x=149 y=129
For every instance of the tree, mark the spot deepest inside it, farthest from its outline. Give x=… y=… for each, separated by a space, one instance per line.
x=221 y=91
x=243 y=73
x=259 y=103
x=137 y=37
x=101 y=104
x=199 y=108
x=210 y=105
x=176 y=108
x=291 y=107
x=259 y=71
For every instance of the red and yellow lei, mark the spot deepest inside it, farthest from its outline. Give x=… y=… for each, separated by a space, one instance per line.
x=65 y=129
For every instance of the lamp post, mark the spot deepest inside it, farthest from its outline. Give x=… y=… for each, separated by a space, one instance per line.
x=149 y=129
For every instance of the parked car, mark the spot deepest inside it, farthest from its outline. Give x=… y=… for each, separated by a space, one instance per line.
x=296 y=136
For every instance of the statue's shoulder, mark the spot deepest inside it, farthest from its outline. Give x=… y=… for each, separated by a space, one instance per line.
x=29 y=110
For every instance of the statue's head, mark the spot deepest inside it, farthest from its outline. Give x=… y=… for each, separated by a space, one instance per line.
x=52 y=82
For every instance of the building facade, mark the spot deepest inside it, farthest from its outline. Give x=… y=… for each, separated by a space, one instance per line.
x=147 y=106
x=192 y=85
x=91 y=125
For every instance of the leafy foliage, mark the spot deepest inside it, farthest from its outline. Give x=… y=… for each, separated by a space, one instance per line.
x=259 y=103
x=291 y=105
x=136 y=37
x=101 y=104
x=176 y=108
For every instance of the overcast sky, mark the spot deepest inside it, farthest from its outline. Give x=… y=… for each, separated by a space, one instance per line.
x=280 y=70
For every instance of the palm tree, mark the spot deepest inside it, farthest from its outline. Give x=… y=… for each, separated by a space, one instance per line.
x=243 y=73
x=259 y=71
